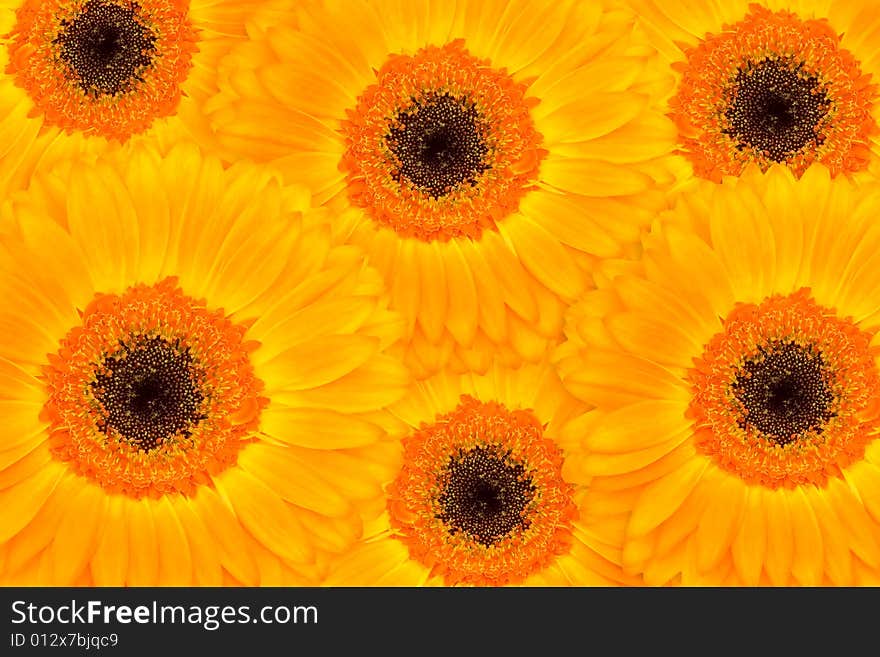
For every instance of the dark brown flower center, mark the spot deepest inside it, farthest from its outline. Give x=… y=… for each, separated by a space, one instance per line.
x=150 y=391
x=776 y=109
x=106 y=47
x=439 y=144
x=485 y=494
x=784 y=392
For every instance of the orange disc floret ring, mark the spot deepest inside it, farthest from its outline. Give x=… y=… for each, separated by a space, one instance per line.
x=773 y=88
x=103 y=67
x=152 y=393
x=481 y=499
x=787 y=393
x=442 y=145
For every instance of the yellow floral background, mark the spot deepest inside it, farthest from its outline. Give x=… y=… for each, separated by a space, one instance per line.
x=447 y=293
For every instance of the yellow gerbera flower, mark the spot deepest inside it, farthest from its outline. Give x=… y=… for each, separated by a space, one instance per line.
x=483 y=496
x=84 y=76
x=775 y=81
x=737 y=385
x=479 y=160
x=187 y=370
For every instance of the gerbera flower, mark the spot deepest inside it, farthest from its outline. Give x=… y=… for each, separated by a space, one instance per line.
x=737 y=387
x=483 y=496
x=187 y=366
x=790 y=82
x=84 y=76
x=480 y=161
